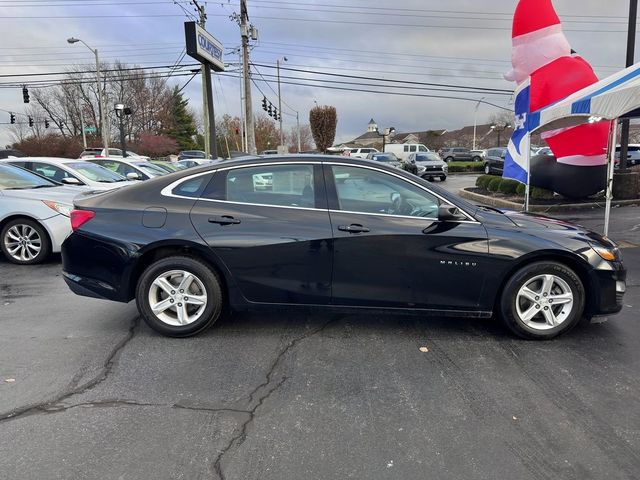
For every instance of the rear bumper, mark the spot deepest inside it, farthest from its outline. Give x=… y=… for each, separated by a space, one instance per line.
x=608 y=288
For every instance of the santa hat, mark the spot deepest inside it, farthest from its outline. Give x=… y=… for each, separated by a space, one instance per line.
x=533 y=16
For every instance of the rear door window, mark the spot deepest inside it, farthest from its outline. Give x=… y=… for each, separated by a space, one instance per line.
x=51 y=172
x=278 y=185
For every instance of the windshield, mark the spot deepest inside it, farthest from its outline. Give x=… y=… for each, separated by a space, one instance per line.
x=96 y=173
x=427 y=157
x=14 y=178
x=387 y=157
x=150 y=168
x=193 y=154
x=422 y=148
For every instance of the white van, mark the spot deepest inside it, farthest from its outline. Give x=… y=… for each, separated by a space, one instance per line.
x=403 y=150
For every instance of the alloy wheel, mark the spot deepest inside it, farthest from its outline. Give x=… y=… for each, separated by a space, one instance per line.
x=177 y=297
x=544 y=302
x=23 y=242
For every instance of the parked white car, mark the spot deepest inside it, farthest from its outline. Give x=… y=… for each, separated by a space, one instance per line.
x=195 y=162
x=34 y=214
x=113 y=152
x=361 y=152
x=130 y=168
x=74 y=172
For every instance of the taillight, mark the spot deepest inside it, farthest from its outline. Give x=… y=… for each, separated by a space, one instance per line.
x=80 y=217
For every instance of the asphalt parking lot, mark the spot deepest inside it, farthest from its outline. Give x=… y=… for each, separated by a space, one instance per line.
x=88 y=392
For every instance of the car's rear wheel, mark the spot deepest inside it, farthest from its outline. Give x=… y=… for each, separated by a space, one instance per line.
x=443 y=178
x=487 y=169
x=477 y=159
x=179 y=296
x=542 y=300
x=25 y=242
x=448 y=159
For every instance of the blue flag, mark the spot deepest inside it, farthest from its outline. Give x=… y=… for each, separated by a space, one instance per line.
x=515 y=161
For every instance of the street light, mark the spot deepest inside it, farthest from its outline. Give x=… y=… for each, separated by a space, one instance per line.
x=475 y=117
x=499 y=128
x=280 y=101
x=388 y=132
x=102 y=106
x=121 y=111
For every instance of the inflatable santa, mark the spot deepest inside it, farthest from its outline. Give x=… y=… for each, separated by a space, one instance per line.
x=542 y=52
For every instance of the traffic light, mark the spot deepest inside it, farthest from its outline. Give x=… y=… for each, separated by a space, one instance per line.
x=264 y=103
x=25 y=94
x=30 y=122
x=270 y=110
x=275 y=113
x=12 y=118
x=46 y=123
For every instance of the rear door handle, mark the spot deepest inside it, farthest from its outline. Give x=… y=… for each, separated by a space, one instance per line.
x=224 y=220
x=353 y=228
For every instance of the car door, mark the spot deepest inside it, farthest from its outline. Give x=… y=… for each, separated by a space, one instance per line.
x=269 y=224
x=390 y=250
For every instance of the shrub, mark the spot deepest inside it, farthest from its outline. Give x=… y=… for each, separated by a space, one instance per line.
x=494 y=184
x=521 y=189
x=466 y=167
x=508 y=186
x=483 y=181
x=541 y=193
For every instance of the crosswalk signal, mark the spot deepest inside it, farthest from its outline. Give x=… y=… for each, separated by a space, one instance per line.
x=30 y=122
x=12 y=118
x=25 y=94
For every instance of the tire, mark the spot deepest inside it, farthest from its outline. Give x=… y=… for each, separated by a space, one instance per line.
x=25 y=242
x=477 y=159
x=443 y=178
x=448 y=159
x=531 y=291
x=196 y=317
x=487 y=169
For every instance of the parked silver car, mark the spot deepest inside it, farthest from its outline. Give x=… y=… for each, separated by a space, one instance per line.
x=34 y=214
x=430 y=165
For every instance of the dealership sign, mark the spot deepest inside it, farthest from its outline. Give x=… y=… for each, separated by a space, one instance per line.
x=203 y=46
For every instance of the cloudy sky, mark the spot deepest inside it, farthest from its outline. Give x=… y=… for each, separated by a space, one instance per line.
x=457 y=42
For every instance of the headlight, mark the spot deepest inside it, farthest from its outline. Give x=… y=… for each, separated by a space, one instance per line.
x=422 y=169
x=607 y=253
x=61 y=208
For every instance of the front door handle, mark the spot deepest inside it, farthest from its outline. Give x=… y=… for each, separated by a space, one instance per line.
x=224 y=220
x=353 y=228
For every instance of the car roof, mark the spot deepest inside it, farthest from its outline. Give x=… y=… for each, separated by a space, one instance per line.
x=52 y=160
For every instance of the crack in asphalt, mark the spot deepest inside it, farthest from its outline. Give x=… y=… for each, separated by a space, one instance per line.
x=241 y=436
x=73 y=388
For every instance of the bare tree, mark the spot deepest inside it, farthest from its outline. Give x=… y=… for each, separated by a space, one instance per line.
x=323 y=121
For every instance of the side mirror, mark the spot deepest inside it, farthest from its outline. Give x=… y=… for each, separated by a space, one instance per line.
x=502 y=155
x=133 y=176
x=71 y=181
x=449 y=213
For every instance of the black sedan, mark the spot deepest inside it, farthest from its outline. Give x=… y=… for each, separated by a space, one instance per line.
x=390 y=158
x=339 y=233
x=494 y=161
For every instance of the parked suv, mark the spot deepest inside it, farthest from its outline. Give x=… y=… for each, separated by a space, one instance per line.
x=633 y=155
x=494 y=161
x=458 y=154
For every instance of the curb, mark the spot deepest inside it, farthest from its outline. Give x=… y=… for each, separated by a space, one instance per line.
x=465 y=173
x=501 y=203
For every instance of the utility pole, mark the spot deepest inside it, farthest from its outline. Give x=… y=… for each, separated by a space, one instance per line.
x=280 y=103
x=631 y=42
x=298 y=123
x=205 y=103
x=244 y=32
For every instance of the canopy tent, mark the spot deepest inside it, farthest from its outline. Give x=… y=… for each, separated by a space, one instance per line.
x=612 y=98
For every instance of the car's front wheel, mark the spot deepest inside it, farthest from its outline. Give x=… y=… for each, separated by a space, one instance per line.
x=542 y=300
x=487 y=169
x=179 y=296
x=443 y=178
x=25 y=242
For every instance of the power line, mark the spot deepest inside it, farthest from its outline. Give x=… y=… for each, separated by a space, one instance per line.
x=40 y=74
x=317 y=72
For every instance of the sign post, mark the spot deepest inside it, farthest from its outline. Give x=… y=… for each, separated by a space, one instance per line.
x=205 y=48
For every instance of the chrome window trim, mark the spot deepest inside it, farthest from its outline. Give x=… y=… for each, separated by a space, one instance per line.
x=168 y=190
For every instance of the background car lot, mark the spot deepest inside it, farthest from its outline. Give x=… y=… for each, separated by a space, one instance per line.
x=275 y=396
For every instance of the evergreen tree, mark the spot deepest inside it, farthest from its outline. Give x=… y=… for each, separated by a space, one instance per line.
x=182 y=127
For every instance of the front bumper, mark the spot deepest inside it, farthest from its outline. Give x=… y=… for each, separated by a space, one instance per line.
x=607 y=291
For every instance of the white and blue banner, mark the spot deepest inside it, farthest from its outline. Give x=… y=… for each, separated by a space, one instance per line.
x=516 y=161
